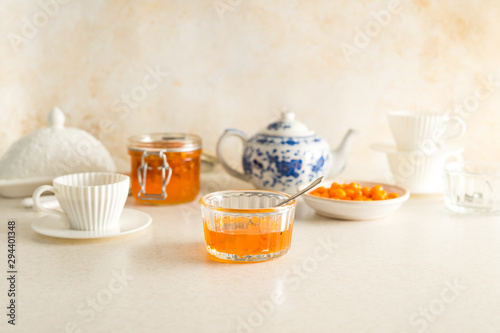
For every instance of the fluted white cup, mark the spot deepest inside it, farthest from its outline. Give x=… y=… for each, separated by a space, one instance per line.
x=425 y=131
x=90 y=201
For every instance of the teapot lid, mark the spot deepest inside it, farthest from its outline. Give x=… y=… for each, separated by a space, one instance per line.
x=287 y=126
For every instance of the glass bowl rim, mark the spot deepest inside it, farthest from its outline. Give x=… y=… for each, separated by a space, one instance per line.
x=288 y=206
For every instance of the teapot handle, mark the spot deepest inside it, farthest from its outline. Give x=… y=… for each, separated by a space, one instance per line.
x=229 y=169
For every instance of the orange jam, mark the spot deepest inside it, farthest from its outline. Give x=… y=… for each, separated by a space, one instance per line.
x=165 y=167
x=243 y=236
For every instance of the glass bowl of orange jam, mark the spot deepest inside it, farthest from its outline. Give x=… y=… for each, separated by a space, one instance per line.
x=165 y=167
x=246 y=225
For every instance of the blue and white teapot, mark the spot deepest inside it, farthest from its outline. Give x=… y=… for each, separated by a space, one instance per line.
x=286 y=154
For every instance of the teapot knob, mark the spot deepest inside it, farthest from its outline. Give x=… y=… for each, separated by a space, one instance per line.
x=287 y=116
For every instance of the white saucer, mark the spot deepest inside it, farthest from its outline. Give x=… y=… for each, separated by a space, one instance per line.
x=55 y=226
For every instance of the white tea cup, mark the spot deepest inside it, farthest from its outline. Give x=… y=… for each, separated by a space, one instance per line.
x=426 y=131
x=91 y=201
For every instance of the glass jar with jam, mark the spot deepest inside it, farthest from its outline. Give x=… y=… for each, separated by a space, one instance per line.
x=165 y=167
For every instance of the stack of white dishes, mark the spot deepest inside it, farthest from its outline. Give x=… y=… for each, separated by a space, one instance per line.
x=418 y=158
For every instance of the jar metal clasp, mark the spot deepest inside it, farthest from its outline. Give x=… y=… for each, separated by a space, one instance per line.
x=142 y=171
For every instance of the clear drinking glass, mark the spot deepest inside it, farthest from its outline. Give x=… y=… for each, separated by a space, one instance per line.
x=245 y=225
x=473 y=187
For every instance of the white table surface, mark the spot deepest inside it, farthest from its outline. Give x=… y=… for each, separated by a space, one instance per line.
x=421 y=269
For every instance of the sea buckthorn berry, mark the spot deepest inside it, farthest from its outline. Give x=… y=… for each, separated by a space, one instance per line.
x=349 y=192
x=355 y=186
x=353 y=191
x=379 y=196
x=376 y=189
x=357 y=194
x=366 y=191
x=339 y=193
x=320 y=190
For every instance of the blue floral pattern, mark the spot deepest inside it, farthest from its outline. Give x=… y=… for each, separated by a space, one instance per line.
x=278 y=125
x=283 y=163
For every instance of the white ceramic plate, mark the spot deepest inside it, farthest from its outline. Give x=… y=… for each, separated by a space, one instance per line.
x=52 y=225
x=356 y=210
x=17 y=188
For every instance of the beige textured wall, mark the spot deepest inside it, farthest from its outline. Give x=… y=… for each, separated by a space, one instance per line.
x=234 y=63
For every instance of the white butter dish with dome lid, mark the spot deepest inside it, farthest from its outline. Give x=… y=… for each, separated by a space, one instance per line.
x=42 y=155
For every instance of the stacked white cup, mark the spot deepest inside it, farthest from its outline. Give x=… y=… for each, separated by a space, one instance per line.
x=418 y=159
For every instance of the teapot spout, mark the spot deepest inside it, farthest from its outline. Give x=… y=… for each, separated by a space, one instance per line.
x=339 y=156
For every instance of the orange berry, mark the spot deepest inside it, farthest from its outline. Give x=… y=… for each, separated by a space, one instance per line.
x=366 y=191
x=320 y=189
x=355 y=186
x=339 y=193
x=357 y=194
x=376 y=189
x=353 y=191
x=349 y=192
x=379 y=196
x=393 y=195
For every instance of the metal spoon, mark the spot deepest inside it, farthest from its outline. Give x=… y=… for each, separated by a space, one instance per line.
x=310 y=186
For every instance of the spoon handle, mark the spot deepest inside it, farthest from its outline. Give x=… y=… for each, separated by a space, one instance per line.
x=310 y=186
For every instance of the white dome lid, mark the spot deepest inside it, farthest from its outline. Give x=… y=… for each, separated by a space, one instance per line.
x=287 y=126
x=54 y=151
